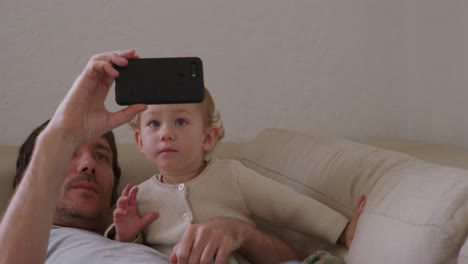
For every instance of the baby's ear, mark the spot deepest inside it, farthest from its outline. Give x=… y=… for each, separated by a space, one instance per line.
x=211 y=138
x=138 y=140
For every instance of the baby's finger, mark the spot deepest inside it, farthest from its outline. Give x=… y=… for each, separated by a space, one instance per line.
x=362 y=203
x=173 y=256
x=119 y=212
x=126 y=190
x=359 y=206
x=123 y=201
x=359 y=201
x=134 y=192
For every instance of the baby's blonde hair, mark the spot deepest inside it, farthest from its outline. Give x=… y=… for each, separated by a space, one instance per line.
x=211 y=116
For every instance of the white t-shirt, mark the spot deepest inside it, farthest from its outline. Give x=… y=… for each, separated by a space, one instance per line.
x=77 y=246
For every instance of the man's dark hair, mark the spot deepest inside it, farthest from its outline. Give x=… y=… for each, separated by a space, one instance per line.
x=26 y=150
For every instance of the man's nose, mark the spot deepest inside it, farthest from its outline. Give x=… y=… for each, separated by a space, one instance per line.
x=87 y=164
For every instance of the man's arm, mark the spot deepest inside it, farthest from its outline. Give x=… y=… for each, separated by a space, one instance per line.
x=218 y=238
x=25 y=227
x=81 y=116
x=261 y=247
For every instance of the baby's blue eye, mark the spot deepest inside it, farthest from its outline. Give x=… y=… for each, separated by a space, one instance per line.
x=180 y=122
x=154 y=124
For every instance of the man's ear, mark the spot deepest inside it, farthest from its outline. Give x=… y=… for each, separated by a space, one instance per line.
x=138 y=140
x=211 y=137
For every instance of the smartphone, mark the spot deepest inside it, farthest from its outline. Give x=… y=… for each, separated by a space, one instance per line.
x=160 y=81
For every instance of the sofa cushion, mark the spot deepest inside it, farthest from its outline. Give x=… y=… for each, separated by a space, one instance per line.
x=414 y=207
x=417 y=214
x=333 y=171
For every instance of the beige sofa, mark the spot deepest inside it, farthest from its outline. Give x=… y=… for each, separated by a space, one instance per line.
x=417 y=212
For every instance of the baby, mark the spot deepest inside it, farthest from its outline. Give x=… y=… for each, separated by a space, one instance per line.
x=191 y=188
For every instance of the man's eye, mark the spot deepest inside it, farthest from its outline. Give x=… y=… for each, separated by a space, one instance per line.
x=180 y=122
x=101 y=156
x=154 y=124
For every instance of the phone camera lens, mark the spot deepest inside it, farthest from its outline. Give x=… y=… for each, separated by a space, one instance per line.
x=194 y=70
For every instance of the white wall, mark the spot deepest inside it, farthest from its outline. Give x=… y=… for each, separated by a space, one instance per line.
x=438 y=70
x=337 y=67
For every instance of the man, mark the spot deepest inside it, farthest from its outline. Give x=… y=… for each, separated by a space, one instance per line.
x=62 y=205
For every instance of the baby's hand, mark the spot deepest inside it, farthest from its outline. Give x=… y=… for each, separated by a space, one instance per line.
x=126 y=219
x=348 y=234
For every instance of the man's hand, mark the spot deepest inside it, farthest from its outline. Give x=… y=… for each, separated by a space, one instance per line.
x=212 y=240
x=82 y=114
x=128 y=223
x=348 y=234
x=80 y=117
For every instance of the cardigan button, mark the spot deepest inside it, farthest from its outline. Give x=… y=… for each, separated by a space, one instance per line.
x=186 y=216
x=181 y=186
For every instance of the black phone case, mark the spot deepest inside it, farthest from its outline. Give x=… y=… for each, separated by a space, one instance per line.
x=160 y=81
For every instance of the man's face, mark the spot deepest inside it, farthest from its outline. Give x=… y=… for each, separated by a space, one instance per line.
x=85 y=198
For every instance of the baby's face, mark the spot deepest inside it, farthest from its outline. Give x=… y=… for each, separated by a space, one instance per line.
x=173 y=137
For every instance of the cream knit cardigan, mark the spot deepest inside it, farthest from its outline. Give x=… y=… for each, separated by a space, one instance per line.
x=226 y=188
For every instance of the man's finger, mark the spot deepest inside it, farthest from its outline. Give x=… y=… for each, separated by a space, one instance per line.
x=221 y=254
x=209 y=252
x=118 y=60
x=125 y=115
x=129 y=53
x=94 y=69
x=109 y=69
x=184 y=247
x=107 y=56
x=197 y=249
